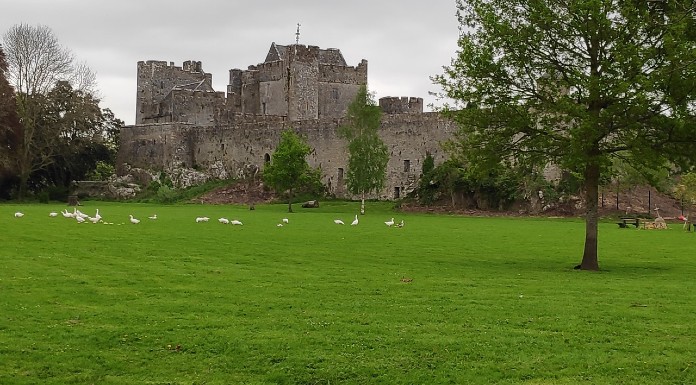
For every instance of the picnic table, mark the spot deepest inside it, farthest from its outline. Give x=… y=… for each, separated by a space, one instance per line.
x=624 y=222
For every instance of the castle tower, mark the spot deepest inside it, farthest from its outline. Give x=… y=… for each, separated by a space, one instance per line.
x=157 y=79
x=297 y=81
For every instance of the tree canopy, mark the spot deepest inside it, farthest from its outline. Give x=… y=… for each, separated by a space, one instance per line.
x=367 y=153
x=575 y=83
x=288 y=169
x=61 y=127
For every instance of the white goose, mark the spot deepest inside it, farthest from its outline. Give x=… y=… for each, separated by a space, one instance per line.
x=355 y=221
x=286 y=220
x=153 y=217
x=53 y=214
x=202 y=219
x=390 y=223
x=338 y=222
x=224 y=221
x=236 y=222
x=133 y=220
x=19 y=214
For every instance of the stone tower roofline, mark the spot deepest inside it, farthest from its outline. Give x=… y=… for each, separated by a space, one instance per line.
x=330 y=56
x=401 y=105
x=191 y=66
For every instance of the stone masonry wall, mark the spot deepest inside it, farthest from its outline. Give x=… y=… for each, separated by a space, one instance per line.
x=408 y=138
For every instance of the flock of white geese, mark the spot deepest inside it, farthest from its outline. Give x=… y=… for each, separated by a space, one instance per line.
x=81 y=217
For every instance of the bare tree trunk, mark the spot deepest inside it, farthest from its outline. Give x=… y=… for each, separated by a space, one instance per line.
x=362 y=204
x=589 y=257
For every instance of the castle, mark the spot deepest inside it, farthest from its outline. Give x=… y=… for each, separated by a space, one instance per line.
x=183 y=123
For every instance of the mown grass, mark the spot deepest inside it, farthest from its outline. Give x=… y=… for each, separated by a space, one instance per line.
x=491 y=300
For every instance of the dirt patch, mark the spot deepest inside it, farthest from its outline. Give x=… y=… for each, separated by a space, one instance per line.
x=238 y=193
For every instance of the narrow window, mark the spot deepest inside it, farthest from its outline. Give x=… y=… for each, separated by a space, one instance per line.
x=266 y=158
x=340 y=174
x=407 y=165
x=263 y=105
x=397 y=192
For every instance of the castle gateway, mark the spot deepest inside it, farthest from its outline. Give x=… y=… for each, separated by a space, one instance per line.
x=183 y=123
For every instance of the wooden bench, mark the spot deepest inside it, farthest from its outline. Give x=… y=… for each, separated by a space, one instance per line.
x=625 y=221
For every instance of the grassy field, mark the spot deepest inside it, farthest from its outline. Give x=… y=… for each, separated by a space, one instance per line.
x=443 y=300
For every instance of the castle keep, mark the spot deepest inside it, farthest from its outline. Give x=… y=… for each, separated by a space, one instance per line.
x=182 y=122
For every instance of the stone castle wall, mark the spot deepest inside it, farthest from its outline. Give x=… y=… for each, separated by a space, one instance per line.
x=409 y=137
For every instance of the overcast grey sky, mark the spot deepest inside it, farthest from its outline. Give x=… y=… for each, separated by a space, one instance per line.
x=405 y=42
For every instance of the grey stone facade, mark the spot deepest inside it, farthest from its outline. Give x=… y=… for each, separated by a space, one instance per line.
x=181 y=122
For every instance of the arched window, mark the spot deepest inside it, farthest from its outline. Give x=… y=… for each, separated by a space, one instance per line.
x=266 y=158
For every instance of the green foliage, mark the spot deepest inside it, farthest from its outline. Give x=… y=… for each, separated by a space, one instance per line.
x=162 y=191
x=367 y=153
x=165 y=195
x=685 y=189
x=576 y=84
x=288 y=169
x=495 y=189
x=426 y=185
x=102 y=171
x=171 y=301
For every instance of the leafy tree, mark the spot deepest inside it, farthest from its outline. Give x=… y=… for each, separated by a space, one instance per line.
x=367 y=153
x=686 y=191
x=426 y=191
x=10 y=129
x=576 y=83
x=36 y=63
x=288 y=169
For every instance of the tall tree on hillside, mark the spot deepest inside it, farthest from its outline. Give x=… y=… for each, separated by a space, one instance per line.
x=37 y=62
x=367 y=153
x=575 y=83
x=288 y=169
x=10 y=130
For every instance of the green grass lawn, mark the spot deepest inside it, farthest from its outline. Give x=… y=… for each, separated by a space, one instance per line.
x=443 y=300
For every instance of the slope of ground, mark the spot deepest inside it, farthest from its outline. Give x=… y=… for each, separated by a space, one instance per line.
x=640 y=201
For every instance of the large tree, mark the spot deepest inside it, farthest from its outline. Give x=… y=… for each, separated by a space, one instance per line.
x=367 y=153
x=37 y=62
x=10 y=130
x=575 y=83
x=288 y=169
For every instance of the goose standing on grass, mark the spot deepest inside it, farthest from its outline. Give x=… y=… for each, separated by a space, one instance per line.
x=19 y=214
x=53 y=214
x=66 y=214
x=97 y=216
x=401 y=224
x=79 y=219
x=153 y=217
x=390 y=223
x=202 y=219
x=355 y=221
x=94 y=219
x=338 y=222
x=236 y=222
x=224 y=221
x=286 y=220
x=133 y=220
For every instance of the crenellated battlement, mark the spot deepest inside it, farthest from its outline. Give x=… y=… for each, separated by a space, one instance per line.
x=401 y=105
